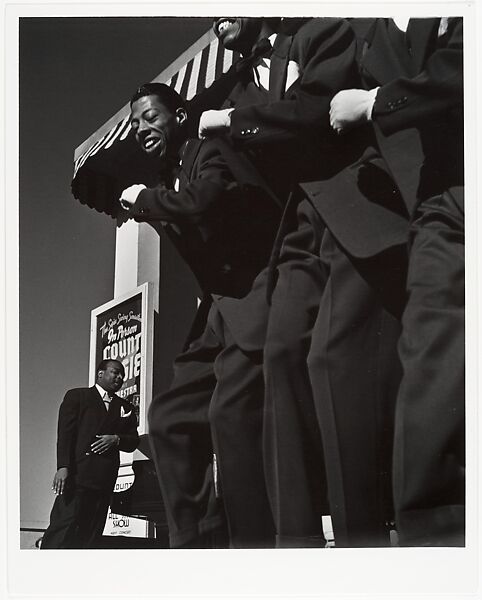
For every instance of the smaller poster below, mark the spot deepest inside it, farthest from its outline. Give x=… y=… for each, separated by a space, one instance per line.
x=128 y=526
x=123 y=524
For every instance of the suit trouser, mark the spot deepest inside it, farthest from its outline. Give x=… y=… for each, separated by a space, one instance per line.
x=214 y=406
x=331 y=367
x=77 y=519
x=292 y=444
x=355 y=372
x=429 y=448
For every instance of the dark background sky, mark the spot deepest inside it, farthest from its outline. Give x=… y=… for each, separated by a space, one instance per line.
x=75 y=73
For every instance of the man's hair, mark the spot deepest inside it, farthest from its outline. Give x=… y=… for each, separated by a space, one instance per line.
x=167 y=95
x=102 y=366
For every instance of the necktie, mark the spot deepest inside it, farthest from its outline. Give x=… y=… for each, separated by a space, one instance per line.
x=261 y=49
x=107 y=400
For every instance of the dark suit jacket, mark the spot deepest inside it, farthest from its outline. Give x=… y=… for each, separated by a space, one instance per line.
x=324 y=50
x=82 y=416
x=290 y=137
x=417 y=120
x=418 y=113
x=223 y=220
x=364 y=199
x=287 y=132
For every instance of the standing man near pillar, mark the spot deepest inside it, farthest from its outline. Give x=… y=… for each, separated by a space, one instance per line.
x=222 y=218
x=94 y=424
x=412 y=74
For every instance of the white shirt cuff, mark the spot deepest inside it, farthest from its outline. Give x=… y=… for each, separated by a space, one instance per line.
x=228 y=117
x=372 y=95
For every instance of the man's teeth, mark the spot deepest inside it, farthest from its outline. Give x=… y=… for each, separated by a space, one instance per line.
x=223 y=25
x=149 y=143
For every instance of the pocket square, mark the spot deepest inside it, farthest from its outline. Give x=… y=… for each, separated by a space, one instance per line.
x=124 y=414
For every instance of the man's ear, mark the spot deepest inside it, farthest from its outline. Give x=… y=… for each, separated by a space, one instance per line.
x=181 y=115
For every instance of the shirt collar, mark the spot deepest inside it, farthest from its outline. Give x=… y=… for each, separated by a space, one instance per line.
x=103 y=393
x=401 y=23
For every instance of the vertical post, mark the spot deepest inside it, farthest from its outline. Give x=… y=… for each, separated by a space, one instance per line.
x=137 y=258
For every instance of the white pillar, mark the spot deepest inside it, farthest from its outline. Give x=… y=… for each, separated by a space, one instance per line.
x=137 y=258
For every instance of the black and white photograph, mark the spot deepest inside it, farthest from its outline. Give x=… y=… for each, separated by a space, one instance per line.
x=240 y=325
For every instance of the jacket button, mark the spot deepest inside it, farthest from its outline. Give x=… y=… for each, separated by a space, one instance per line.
x=143 y=210
x=225 y=269
x=255 y=130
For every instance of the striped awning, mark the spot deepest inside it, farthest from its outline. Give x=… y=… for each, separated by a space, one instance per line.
x=110 y=160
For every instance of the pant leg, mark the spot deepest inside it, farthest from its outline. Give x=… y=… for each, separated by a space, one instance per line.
x=429 y=450
x=62 y=530
x=236 y=417
x=292 y=444
x=180 y=438
x=354 y=371
x=93 y=508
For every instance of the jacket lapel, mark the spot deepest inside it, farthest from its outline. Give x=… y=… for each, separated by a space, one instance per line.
x=189 y=153
x=382 y=64
x=97 y=400
x=422 y=36
x=100 y=407
x=279 y=66
x=114 y=409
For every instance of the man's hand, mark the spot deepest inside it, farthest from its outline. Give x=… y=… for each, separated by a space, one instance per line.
x=104 y=443
x=350 y=108
x=58 y=484
x=129 y=195
x=214 y=121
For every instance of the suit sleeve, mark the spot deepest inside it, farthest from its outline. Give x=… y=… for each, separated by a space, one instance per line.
x=67 y=429
x=129 y=439
x=405 y=102
x=325 y=51
x=188 y=205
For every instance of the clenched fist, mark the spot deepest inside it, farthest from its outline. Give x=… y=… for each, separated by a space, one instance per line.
x=350 y=108
x=129 y=195
x=214 y=121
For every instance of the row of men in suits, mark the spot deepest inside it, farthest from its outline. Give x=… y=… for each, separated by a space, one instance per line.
x=321 y=209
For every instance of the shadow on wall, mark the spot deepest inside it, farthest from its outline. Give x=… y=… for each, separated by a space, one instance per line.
x=178 y=293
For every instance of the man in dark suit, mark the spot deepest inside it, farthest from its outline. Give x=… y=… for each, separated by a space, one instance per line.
x=222 y=218
x=94 y=424
x=279 y=113
x=413 y=95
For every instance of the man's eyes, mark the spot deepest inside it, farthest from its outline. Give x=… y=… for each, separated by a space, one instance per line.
x=150 y=117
